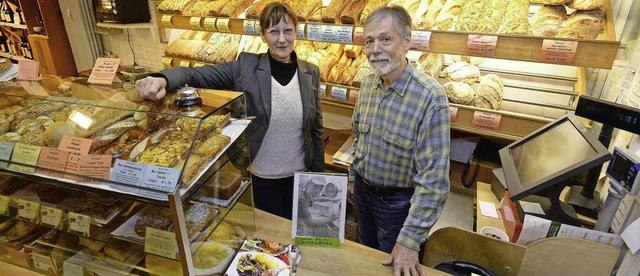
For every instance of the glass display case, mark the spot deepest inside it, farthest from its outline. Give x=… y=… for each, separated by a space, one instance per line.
x=97 y=180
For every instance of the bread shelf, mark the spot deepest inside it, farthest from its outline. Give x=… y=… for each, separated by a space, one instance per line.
x=15 y=26
x=11 y=56
x=598 y=53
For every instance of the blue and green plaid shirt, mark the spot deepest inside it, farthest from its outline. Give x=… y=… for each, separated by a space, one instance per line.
x=402 y=140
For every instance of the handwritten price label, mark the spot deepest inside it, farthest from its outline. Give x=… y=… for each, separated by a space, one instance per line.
x=482 y=45
x=161 y=243
x=79 y=223
x=420 y=40
x=558 y=51
x=486 y=120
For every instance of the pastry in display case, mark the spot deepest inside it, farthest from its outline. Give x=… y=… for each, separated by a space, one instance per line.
x=87 y=175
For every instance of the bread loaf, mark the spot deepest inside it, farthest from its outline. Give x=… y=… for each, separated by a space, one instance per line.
x=53 y=135
x=583 y=24
x=418 y=17
x=516 y=19
x=550 y=2
x=546 y=22
x=469 y=18
x=372 y=5
x=316 y=16
x=254 y=11
x=431 y=63
x=199 y=8
x=307 y=9
x=586 y=5
x=459 y=92
x=491 y=17
x=430 y=18
x=462 y=71
x=351 y=14
x=362 y=72
x=333 y=11
x=450 y=10
x=235 y=8
x=490 y=91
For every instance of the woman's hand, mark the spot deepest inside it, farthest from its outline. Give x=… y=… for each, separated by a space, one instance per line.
x=152 y=87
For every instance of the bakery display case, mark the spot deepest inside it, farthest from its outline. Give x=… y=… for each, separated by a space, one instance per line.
x=95 y=179
x=504 y=78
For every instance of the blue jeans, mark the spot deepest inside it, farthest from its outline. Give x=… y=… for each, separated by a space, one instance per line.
x=380 y=217
x=273 y=195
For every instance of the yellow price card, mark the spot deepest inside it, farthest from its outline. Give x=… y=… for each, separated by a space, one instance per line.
x=29 y=210
x=161 y=243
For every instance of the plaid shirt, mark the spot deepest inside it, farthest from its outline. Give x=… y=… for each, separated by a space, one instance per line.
x=402 y=140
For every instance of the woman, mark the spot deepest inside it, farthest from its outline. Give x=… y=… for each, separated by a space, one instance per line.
x=281 y=91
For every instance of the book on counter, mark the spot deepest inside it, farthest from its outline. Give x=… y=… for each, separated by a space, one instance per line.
x=261 y=257
x=344 y=155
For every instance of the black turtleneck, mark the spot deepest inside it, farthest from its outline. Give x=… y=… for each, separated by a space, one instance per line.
x=283 y=72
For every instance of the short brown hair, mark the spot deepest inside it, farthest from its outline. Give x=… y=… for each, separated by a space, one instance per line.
x=273 y=13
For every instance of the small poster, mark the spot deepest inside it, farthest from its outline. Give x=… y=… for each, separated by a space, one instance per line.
x=104 y=71
x=319 y=208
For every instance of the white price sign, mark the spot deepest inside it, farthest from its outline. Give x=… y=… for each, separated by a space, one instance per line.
x=194 y=22
x=79 y=223
x=314 y=32
x=323 y=90
x=210 y=24
x=345 y=34
x=222 y=24
x=420 y=40
x=5 y=150
x=28 y=210
x=329 y=33
x=160 y=178
x=339 y=93
x=249 y=27
x=300 y=31
x=51 y=217
x=43 y=262
x=127 y=172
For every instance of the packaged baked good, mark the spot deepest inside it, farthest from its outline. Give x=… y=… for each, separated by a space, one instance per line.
x=462 y=71
x=459 y=92
x=547 y=20
x=583 y=24
x=586 y=5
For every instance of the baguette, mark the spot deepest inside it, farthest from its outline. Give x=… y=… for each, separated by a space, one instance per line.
x=547 y=20
x=418 y=16
x=586 y=5
x=470 y=16
x=516 y=20
x=492 y=16
x=583 y=24
x=450 y=10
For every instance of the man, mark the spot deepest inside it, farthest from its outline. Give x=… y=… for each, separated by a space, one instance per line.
x=401 y=157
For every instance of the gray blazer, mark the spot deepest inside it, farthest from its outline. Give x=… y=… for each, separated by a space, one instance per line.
x=251 y=74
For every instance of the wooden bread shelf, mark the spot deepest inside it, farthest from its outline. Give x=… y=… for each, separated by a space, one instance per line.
x=598 y=53
x=513 y=126
x=11 y=56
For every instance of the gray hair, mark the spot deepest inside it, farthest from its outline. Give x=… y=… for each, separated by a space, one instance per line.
x=399 y=15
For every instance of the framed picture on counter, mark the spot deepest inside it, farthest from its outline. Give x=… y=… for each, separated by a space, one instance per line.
x=319 y=208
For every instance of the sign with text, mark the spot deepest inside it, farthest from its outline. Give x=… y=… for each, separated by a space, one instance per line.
x=329 y=33
x=104 y=70
x=358 y=35
x=486 y=120
x=558 y=51
x=42 y=262
x=95 y=166
x=300 y=31
x=51 y=217
x=222 y=24
x=314 y=32
x=166 y=20
x=345 y=34
x=160 y=178
x=28 y=70
x=353 y=95
x=127 y=172
x=52 y=162
x=339 y=93
x=249 y=27
x=420 y=40
x=80 y=224
x=29 y=210
x=185 y=63
x=25 y=154
x=210 y=24
x=76 y=146
x=323 y=90
x=6 y=149
x=482 y=45
x=161 y=243
x=194 y=22
x=166 y=62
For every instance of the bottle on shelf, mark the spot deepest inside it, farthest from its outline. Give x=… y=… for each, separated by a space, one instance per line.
x=19 y=19
x=23 y=47
x=3 y=8
x=3 y=43
x=8 y=14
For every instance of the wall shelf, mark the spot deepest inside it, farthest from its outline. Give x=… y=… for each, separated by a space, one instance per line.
x=14 y=57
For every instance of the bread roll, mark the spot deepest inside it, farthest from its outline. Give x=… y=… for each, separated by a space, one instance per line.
x=351 y=14
x=372 y=5
x=431 y=63
x=586 y=5
x=547 y=20
x=516 y=19
x=462 y=71
x=450 y=10
x=459 y=92
x=550 y=2
x=583 y=24
x=490 y=91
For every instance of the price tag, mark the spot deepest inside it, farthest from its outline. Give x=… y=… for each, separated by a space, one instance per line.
x=300 y=31
x=71 y=269
x=314 y=32
x=358 y=35
x=42 y=262
x=453 y=113
x=329 y=33
x=558 y=51
x=339 y=93
x=486 y=120
x=323 y=90
x=166 y=62
x=160 y=178
x=222 y=24
x=161 y=243
x=353 y=95
x=6 y=149
x=29 y=210
x=104 y=71
x=199 y=64
x=75 y=144
x=25 y=154
x=28 y=70
x=4 y=205
x=185 y=63
x=249 y=27
x=127 y=172
x=482 y=45
x=210 y=24
x=166 y=20
x=194 y=22
x=420 y=40
x=79 y=223
x=52 y=162
x=95 y=166
x=345 y=34
x=51 y=217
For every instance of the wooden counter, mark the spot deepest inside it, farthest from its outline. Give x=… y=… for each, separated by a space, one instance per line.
x=350 y=259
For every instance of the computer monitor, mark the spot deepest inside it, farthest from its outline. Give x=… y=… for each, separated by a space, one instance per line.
x=552 y=154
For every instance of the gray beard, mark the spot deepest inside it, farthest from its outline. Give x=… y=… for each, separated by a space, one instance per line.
x=385 y=69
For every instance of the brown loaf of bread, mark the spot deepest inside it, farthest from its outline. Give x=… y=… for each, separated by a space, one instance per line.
x=586 y=5
x=431 y=63
x=325 y=66
x=316 y=16
x=583 y=24
x=333 y=11
x=516 y=20
x=199 y=8
x=254 y=11
x=235 y=8
x=351 y=14
x=547 y=20
x=307 y=9
x=371 y=5
x=215 y=6
x=459 y=92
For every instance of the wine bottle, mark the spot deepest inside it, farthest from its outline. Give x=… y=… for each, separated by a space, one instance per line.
x=8 y=14
x=3 y=7
x=3 y=43
x=20 y=17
